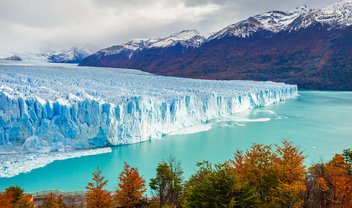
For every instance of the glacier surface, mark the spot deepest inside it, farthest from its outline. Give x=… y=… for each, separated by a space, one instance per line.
x=62 y=108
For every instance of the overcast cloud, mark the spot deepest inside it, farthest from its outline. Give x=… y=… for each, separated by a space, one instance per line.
x=31 y=25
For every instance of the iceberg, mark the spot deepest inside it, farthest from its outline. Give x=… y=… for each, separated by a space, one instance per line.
x=63 y=108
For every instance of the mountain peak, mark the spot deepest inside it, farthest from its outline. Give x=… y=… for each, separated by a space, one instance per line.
x=187 y=38
x=185 y=34
x=272 y=21
x=337 y=15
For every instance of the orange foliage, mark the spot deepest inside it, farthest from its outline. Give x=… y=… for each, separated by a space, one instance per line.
x=5 y=200
x=14 y=197
x=96 y=196
x=25 y=201
x=330 y=184
x=341 y=182
x=131 y=187
x=277 y=176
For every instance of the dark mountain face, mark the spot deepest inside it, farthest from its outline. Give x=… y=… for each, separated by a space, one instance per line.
x=313 y=50
x=150 y=58
x=313 y=58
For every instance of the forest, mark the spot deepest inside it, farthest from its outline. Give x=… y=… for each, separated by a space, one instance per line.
x=264 y=176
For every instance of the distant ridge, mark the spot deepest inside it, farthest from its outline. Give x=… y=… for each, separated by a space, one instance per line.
x=311 y=48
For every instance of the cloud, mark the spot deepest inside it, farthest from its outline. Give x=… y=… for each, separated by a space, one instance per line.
x=33 y=24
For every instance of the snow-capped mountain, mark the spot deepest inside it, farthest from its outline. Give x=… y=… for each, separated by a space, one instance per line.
x=186 y=38
x=337 y=15
x=273 y=21
x=73 y=55
x=129 y=47
x=308 y=47
x=131 y=52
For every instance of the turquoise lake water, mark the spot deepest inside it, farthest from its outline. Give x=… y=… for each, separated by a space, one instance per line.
x=320 y=123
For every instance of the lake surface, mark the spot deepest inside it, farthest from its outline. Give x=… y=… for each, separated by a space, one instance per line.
x=320 y=123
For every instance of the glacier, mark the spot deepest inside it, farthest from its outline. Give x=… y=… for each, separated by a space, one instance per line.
x=63 y=108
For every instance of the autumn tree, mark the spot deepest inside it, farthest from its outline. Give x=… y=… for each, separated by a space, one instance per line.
x=5 y=200
x=14 y=196
x=330 y=184
x=290 y=175
x=168 y=183
x=96 y=195
x=131 y=188
x=277 y=176
x=217 y=186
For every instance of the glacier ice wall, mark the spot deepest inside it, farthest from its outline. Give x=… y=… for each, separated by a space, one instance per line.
x=44 y=109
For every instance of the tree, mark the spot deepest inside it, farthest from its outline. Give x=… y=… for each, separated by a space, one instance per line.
x=14 y=197
x=160 y=184
x=176 y=186
x=217 y=186
x=330 y=184
x=25 y=201
x=131 y=188
x=347 y=154
x=96 y=196
x=291 y=175
x=168 y=183
x=277 y=176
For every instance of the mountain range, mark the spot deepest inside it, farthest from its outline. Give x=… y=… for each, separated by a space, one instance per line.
x=73 y=55
x=307 y=47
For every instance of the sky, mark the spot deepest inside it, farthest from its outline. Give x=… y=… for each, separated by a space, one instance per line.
x=35 y=25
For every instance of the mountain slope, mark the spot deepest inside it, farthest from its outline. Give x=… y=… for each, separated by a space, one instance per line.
x=313 y=58
x=311 y=48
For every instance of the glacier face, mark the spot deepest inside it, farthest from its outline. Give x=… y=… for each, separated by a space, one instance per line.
x=61 y=108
